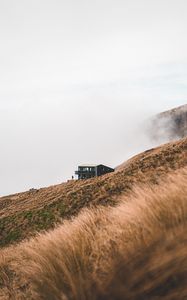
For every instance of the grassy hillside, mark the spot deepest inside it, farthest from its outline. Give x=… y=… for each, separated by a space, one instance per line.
x=135 y=250
x=24 y=214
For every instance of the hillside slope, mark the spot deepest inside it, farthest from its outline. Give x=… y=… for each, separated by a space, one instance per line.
x=135 y=250
x=24 y=214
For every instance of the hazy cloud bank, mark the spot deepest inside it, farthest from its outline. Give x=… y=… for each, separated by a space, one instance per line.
x=78 y=80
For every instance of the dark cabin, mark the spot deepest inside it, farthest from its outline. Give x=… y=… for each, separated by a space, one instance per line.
x=89 y=171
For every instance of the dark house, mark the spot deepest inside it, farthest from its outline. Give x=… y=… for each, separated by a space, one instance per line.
x=89 y=171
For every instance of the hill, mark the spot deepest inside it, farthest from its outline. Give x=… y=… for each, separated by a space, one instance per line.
x=170 y=124
x=23 y=215
x=134 y=250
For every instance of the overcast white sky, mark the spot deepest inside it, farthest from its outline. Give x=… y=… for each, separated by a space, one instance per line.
x=78 y=77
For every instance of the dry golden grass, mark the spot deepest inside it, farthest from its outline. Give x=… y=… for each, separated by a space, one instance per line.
x=23 y=215
x=135 y=250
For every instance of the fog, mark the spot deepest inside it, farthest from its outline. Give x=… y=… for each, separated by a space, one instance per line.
x=80 y=80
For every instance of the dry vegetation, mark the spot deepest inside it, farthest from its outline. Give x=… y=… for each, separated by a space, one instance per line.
x=135 y=250
x=24 y=214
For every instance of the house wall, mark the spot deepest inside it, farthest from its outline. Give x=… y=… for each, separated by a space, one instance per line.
x=87 y=172
x=101 y=170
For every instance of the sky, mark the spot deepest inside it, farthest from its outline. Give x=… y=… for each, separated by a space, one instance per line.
x=79 y=79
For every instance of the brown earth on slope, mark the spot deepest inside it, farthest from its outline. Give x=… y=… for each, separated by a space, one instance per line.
x=135 y=250
x=24 y=214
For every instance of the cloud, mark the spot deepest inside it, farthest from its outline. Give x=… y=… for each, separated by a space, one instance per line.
x=79 y=78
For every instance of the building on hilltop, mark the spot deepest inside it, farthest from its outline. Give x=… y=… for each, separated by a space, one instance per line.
x=89 y=171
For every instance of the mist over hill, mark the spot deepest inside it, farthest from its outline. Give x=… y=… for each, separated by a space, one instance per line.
x=61 y=241
x=169 y=125
x=93 y=82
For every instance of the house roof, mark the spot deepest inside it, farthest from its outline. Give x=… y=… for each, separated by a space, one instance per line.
x=88 y=165
x=93 y=166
